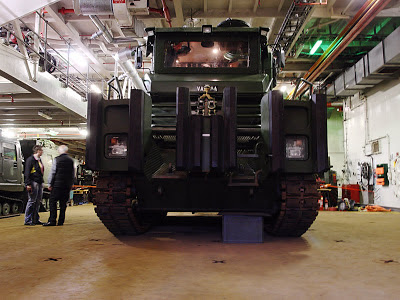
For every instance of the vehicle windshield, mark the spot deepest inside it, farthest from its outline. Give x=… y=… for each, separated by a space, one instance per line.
x=206 y=54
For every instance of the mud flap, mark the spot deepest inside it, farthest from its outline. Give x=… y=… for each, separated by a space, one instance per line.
x=94 y=120
x=229 y=110
x=183 y=113
x=319 y=127
x=139 y=129
x=272 y=127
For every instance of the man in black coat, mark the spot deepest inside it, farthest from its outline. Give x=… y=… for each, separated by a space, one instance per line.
x=60 y=181
x=34 y=170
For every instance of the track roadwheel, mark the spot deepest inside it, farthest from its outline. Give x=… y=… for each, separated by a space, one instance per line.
x=116 y=207
x=14 y=208
x=6 y=209
x=298 y=207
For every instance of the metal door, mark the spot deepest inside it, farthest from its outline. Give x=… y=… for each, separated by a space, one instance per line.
x=10 y=164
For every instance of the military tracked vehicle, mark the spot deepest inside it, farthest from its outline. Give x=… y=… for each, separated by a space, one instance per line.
x=208 y=135
x=12 y=189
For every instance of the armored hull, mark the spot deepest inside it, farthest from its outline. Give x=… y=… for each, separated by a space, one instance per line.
x=12 y=195
x=208 y=135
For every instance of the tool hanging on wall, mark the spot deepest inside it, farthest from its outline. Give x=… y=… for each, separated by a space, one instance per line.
x=365 y=175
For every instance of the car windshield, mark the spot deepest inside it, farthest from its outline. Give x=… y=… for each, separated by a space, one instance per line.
x=206 y=54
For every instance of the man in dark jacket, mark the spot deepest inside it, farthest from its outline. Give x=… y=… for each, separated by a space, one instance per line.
x=60 y=182
x=34 y=185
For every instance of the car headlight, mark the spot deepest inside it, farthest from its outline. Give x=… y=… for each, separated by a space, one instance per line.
x=116 y=146
x=296 y=148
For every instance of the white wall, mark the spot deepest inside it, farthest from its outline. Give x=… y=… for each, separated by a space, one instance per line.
x=374 y=116
x=335 y=142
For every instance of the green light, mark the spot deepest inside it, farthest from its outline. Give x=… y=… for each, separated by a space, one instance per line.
x=316 y=46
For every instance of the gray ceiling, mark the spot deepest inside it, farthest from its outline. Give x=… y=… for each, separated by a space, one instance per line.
x=20 y=107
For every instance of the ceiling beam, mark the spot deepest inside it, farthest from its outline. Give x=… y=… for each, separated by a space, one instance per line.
x=73 y=34
x=304 y=67
x=255 y=6
x=27 y=96
x=280 y=5
x=25 y=105
x=11 y=88
x=276 y=25
x=72 y=145
x=81 y=142
x=390 y=12
x=179 y=20
x=33 y=112
x=221 y=14
x=37 y=123
x=11 y=10
x=36 y=117
x=257 y=22
x=279 y=14
x=46 y=85
x=71 y=142
x=324 y=13
x=74 y=18
x=300 y=31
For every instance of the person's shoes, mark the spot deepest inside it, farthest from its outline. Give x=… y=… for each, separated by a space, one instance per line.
x=29 y=224
x=49 y=224
x=60 y=224
x=39 y=223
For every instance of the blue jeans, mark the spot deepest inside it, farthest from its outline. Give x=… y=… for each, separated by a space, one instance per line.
x=33 y=205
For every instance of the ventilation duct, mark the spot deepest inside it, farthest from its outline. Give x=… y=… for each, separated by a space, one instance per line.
x=93 y=7
x=124 y=57
x=381 y=63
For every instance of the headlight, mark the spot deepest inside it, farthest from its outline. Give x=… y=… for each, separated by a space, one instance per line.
x=116 y=146
x=296 y=148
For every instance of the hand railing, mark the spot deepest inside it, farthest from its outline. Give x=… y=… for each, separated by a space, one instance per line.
x=58 y=62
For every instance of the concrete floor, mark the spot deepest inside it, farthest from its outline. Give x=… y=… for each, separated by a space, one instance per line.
x=345 y=255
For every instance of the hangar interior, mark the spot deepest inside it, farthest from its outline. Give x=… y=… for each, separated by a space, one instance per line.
x=52 y=105
x=57 y=55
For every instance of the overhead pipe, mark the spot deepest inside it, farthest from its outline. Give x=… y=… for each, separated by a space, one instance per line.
x=8 y=96
x=337 y=105
x=334 y=104
x=123 y=58
x=363 y=17
x=156 y=10
x=163 y=12
x=356 y=25
x=106 y=33
x=166 y=13
x=321 y=2
x=306 y=82
x=64 y=11
x=102 y=46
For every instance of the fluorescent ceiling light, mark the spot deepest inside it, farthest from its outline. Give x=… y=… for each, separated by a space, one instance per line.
x=316 y=46
x=83 y=132
x=77 y=59
x=44 y=115
x=95 y=89
x=52 y=132
x=8 y=133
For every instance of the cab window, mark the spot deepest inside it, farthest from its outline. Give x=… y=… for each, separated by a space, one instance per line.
x=10 y=152
x=206 y=54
